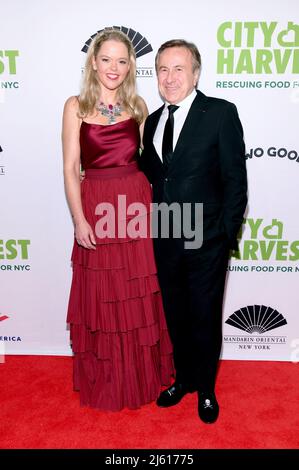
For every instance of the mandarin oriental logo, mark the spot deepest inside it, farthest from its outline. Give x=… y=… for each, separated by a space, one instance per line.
x=256 y=319
x=140 y=44
x=255 y=323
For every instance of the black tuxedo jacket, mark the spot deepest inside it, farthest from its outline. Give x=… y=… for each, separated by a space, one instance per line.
x=207 y=166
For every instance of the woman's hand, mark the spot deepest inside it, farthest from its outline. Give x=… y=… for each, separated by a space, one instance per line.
x=84 y=235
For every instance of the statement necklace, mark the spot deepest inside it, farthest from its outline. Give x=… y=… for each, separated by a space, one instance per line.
x=110 y=111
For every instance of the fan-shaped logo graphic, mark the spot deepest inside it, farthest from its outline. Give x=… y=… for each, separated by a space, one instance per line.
x=256 y=319
x=140 y=43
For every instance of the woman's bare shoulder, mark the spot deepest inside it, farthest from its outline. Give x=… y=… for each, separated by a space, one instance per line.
x=72 y=103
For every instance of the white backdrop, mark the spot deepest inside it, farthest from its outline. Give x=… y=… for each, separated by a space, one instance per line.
x=250 y=55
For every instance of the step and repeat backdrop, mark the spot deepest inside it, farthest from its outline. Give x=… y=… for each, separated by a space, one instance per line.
x=250 y=55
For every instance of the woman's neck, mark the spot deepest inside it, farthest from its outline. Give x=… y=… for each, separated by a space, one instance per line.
x=108 y=98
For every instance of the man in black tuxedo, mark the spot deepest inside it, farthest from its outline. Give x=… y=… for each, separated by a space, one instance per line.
x=194 y=153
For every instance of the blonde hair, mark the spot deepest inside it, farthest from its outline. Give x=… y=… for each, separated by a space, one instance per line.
x=91 y=86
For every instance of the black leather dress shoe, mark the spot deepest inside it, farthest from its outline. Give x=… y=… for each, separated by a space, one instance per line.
x=172 y=395
x=208 y=408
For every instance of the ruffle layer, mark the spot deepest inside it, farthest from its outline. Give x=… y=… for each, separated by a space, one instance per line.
x=119 y=202
x=136 y=255
x=131 y=378
x=90 y=288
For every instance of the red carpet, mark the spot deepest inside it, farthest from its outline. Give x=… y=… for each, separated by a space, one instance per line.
x=259 y=409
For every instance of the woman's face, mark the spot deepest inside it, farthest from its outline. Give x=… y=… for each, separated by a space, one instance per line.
x=112 y=64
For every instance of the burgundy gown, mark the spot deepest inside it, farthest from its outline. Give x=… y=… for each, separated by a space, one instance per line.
x=122 y=351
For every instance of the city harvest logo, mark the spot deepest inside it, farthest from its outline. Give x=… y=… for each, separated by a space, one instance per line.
x=140 y=44
x=256 y=321
x=8 y=69
x=258 y=48
x=263 y=241
x=16 y=251
x=280 y=153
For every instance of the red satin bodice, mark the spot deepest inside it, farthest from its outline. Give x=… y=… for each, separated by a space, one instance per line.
x=109 y=146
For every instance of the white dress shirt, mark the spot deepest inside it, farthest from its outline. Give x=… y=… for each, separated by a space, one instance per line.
x=179 y=119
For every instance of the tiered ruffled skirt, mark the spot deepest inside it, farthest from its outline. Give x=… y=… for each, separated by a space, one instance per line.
x=122 y=351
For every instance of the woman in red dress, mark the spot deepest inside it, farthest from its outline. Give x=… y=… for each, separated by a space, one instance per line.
x=122 y=351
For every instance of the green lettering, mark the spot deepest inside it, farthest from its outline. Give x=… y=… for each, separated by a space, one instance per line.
x=263 y=58
x=268 y=32
x=276 y=228
x=1 y=63
x=282 y=59
x=220 y=34
x=225 y=60
x=251 y=26
x=12 y=252
x=295 y=68
x=244 y=63
x=24 y=248
x=238 y=34
x=249 y=250
x=266 y=249
x=12 y=61
x=284 y=36
x=281 y=251
x=294 y=249
x=254 y=226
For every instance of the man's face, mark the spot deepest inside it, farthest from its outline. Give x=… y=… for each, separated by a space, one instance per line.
x=176 y=78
